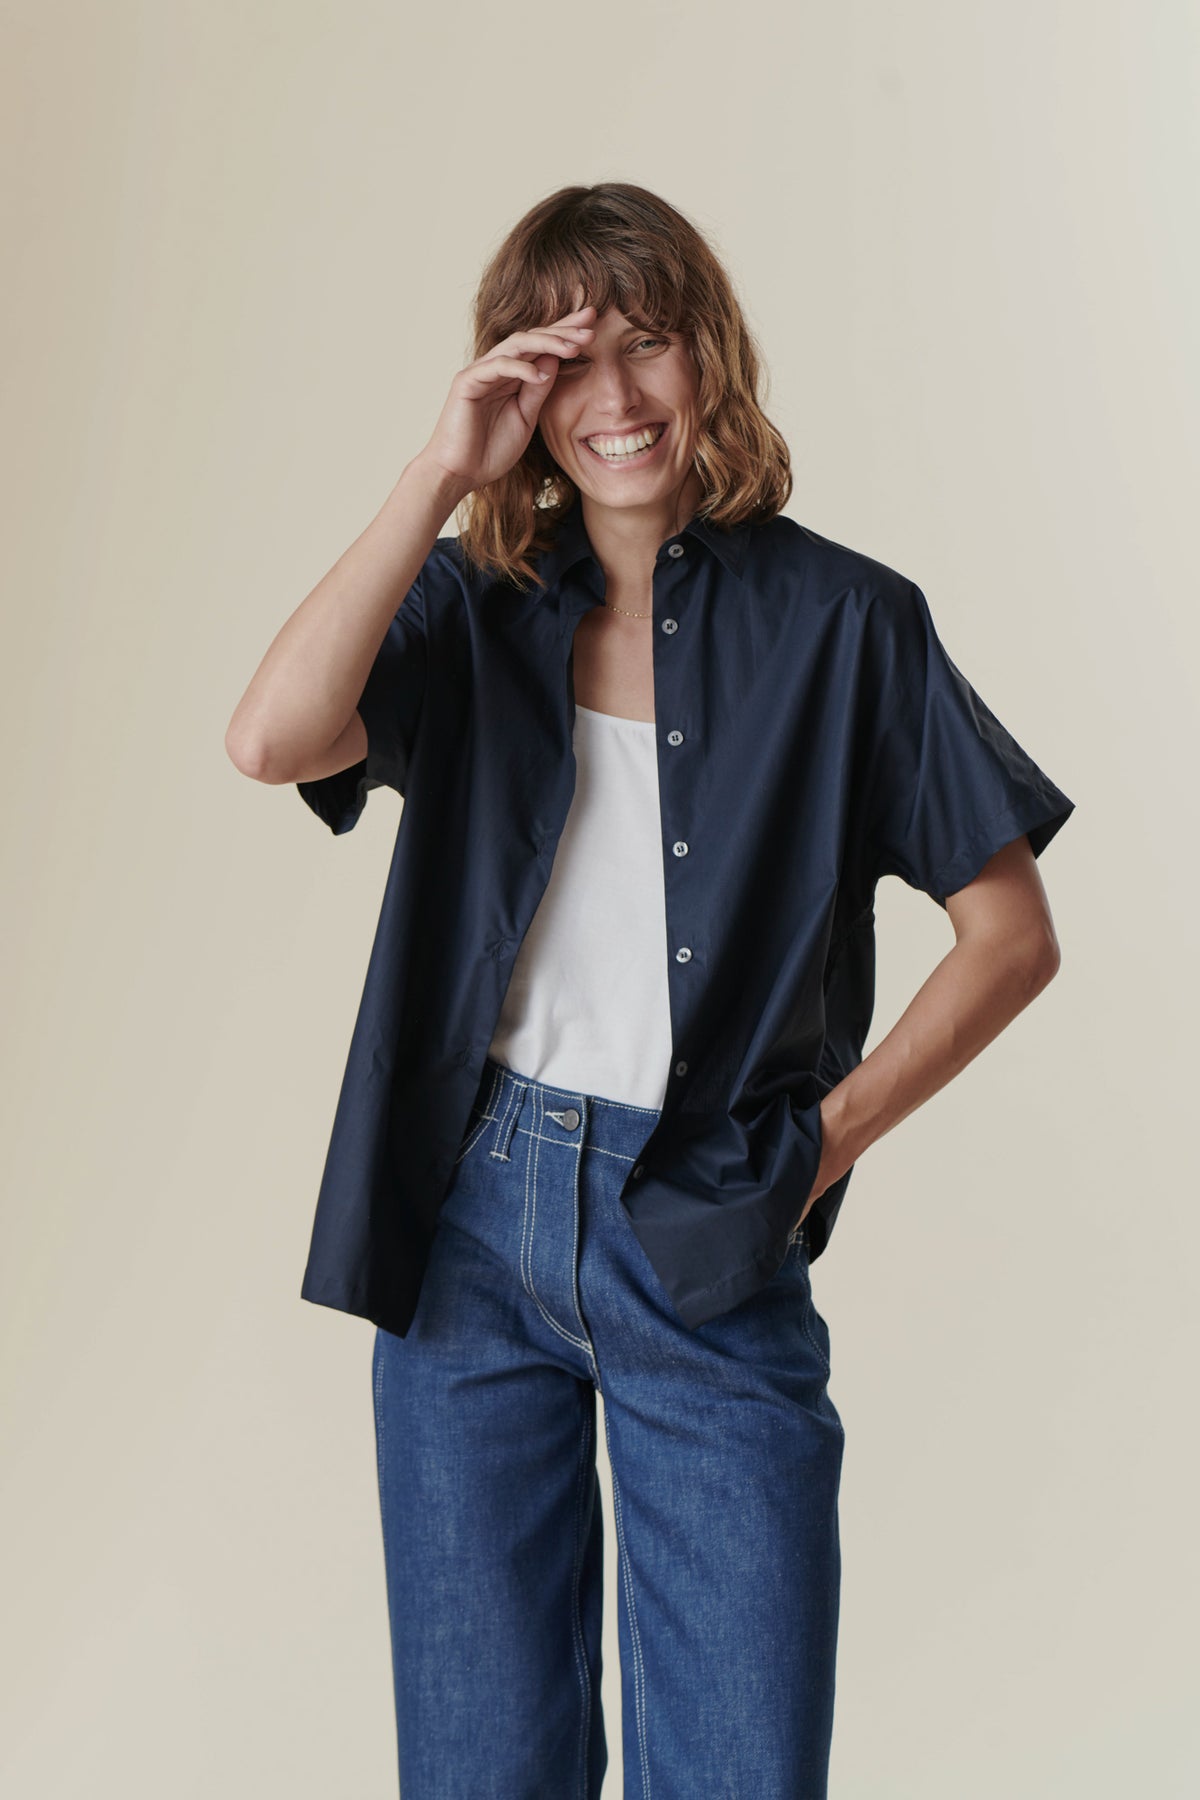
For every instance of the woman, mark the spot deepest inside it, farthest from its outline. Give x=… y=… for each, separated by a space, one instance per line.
x=657 y=744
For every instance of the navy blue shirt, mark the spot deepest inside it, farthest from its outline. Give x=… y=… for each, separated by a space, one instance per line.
x=812 y=736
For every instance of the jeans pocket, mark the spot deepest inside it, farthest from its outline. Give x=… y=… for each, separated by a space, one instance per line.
x=815 y=1328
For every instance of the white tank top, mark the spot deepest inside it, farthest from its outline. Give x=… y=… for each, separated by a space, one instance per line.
x=587 y=1006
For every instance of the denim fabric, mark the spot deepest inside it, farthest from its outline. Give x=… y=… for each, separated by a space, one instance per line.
x=726 y=1455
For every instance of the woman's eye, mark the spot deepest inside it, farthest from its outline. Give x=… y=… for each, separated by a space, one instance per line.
x=575 y=361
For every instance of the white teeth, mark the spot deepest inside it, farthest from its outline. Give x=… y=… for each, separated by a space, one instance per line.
x=614 y=448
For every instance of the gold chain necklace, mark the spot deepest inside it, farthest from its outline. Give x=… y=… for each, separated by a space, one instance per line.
x=627 y=614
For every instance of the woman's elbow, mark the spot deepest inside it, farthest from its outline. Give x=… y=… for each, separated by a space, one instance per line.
x=251 y=756
x=1044 y=956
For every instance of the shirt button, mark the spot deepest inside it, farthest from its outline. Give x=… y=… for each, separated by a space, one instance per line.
x=680 y=849
x=674 y=737
x=675 y=550
x=683 y=955
x=640 y=1170
x=670 y=625
x=681 y=1068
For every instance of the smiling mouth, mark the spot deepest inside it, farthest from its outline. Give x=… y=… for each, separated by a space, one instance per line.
x=644 y=445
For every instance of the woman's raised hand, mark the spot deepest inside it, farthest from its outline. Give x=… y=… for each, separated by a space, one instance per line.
x=494 y=402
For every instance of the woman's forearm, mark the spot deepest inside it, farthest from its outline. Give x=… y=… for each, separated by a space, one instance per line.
x=308 y=684
x=977 y=989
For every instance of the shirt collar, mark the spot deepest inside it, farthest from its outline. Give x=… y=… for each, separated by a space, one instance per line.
x=571 y=543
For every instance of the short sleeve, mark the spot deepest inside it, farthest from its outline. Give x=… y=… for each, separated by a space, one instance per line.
x=949 y=784
x=390 y=707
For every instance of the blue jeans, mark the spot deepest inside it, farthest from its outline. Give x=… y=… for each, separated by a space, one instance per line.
x=726 y=1454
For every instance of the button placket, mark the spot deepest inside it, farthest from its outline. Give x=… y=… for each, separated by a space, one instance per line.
x=679 y=848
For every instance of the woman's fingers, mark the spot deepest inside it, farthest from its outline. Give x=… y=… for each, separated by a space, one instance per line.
x=502 y=368
x=537 y=342
x=561 y=338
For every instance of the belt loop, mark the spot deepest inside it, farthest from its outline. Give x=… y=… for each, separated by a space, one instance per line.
x=506 y=1121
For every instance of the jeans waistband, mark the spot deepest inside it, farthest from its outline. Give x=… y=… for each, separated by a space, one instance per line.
x=498 y=1086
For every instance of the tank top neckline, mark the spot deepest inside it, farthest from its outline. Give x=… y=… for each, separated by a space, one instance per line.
x=615 y=718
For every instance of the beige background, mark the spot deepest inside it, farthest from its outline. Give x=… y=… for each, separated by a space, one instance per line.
x=240 y=246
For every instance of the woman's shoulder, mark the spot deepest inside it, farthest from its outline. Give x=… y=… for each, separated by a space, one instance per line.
x=794 y=559
x=447 y=570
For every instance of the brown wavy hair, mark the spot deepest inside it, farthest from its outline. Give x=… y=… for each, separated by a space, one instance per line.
x=626 y=248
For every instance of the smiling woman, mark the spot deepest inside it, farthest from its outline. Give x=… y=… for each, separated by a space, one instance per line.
x=657 y=744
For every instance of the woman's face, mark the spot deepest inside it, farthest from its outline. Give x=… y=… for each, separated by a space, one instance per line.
x=622 y=384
